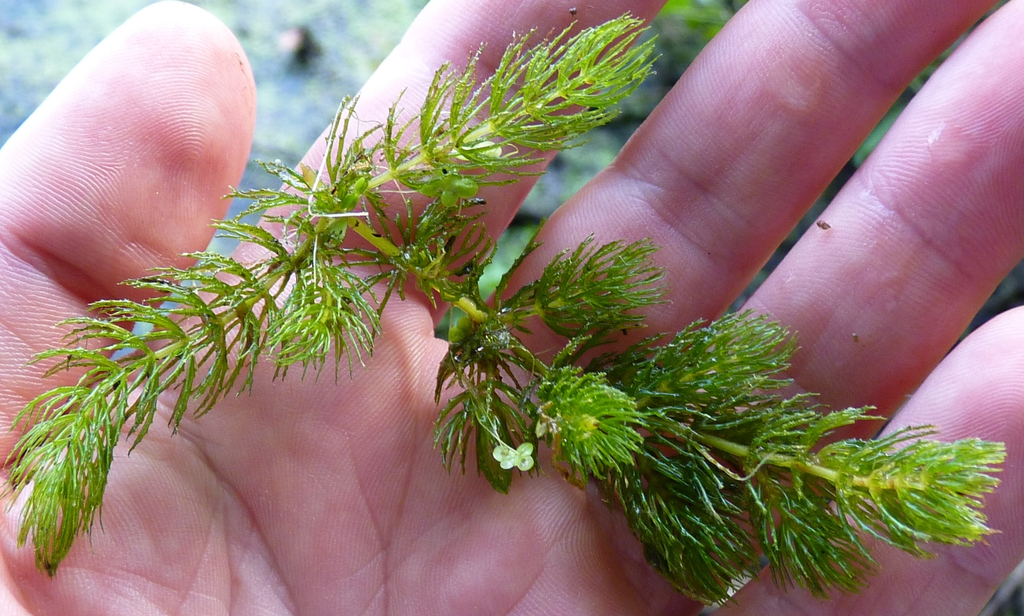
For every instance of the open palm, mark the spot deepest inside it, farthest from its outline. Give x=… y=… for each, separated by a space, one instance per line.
x=324 y=497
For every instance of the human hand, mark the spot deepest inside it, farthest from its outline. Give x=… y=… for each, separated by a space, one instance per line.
x=323 y=497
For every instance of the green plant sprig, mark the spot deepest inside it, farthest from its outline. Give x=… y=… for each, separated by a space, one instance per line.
x=713 y=465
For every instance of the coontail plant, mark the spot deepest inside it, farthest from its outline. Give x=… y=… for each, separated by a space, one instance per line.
x=691 y=435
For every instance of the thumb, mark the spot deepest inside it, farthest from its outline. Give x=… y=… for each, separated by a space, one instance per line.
x=121 y=169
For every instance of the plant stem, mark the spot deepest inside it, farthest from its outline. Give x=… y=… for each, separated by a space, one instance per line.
x=536 y=366
x=478 y=133
x=469 y=307
x=379 y=242
x=775 y=459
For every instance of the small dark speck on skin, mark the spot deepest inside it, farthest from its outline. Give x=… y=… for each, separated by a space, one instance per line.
x=856 y=338
x=572 y=11
x=824 y=226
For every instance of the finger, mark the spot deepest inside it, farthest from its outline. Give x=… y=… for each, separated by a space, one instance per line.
x=919 y=237
x=960 y=401
x=751 y=134
x=121 y=169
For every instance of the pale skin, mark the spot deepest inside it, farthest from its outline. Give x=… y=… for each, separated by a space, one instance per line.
x=324 y=498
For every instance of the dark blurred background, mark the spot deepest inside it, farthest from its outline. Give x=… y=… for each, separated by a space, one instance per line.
x=306 y=56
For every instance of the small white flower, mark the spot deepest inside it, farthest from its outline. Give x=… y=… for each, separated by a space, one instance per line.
x=521 y=458
x=546 y=424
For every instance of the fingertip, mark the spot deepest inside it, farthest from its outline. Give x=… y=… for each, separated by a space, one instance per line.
x=124 y=165
x=977 y=391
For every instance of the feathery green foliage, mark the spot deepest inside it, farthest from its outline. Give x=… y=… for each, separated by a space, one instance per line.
x=693 y=438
